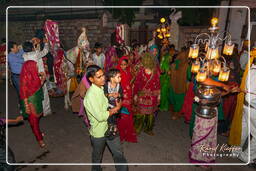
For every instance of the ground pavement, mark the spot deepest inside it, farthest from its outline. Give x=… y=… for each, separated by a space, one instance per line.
x=68 y=141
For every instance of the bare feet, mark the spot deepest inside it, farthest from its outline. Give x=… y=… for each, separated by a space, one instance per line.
x=225 y=134
x=42 y=144
x=151 y=133
x=174 y=117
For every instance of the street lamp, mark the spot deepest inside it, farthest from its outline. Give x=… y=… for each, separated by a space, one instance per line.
x=207 y=64
x=163 y=30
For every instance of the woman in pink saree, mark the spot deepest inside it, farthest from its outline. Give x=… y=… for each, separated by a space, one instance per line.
x=204 y=139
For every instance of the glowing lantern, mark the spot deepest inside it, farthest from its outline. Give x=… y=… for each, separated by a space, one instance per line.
x=224 y=74
x=158 y=30
x=201 y=75
x=214 y=21
x=193 y=51
x=163 y=29
x=215 y=67
x=195 y=66
x=168 y=35
x=162 y=20
x=228 y=48
x=212 y=53
x=160 y=36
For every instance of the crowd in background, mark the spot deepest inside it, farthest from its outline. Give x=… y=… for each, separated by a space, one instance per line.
x=137 y=83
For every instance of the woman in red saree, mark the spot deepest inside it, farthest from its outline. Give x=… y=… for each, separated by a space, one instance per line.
x=125 y=122
x=147 y=95
x=31 y=94
x=135 y=61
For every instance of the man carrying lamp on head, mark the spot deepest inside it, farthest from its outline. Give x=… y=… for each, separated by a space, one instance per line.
x=207 y=94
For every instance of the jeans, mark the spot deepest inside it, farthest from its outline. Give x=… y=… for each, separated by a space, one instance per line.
x=98 y=145
x=16 y=83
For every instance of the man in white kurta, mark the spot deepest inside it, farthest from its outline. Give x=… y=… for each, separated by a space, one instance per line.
x=244 y=54
x=249 y=106
x=244 y=59
x=38 y=57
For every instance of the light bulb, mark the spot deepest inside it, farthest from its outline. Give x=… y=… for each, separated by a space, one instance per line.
x=214 y=21
x=162 y=20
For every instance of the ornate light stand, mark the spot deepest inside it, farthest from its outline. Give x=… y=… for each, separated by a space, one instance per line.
x=163 y=31
x=206 y=65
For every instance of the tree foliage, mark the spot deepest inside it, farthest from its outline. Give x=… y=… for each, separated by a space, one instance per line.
x=124 y=15
x=192 y=16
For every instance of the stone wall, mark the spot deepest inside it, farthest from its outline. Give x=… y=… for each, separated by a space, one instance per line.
x=189 y=33
x=69 y=31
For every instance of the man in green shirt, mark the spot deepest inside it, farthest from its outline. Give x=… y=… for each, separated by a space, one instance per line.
x=96 y=105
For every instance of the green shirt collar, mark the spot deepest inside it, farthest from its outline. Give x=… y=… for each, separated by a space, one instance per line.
x=96 y=88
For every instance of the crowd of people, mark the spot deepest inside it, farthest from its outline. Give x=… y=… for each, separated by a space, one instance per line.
x=122 y=90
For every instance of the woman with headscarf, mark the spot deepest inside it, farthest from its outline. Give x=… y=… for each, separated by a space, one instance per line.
x=165 y=79
x=135 y=61
x=31 y=94
x=125 y=122
x=146 y=95
x=111 y=58
x=187 y=108
x=78 y=97
x=155 y=52
x=180 y=73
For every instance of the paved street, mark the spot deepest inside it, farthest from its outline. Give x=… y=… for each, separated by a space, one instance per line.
x=68 y=141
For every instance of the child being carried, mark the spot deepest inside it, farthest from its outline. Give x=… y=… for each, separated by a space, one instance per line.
x=114 y=93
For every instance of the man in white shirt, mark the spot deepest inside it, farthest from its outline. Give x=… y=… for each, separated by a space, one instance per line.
x=244 y=57
x=249 y=106
x=98 y=57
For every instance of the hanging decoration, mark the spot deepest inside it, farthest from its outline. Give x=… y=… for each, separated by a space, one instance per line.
x=163 y=31
x=120 y=33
